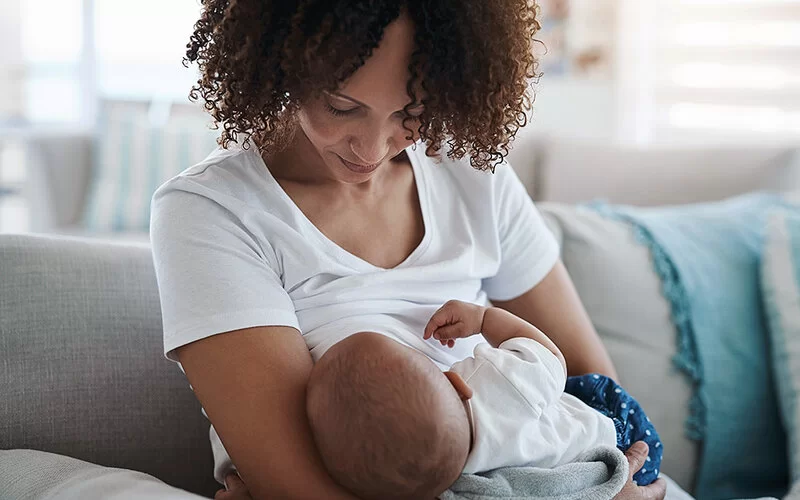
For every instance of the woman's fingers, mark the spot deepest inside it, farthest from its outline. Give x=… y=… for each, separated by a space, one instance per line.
x=636 y=455
x=235 y=489
x=233 y=481
x=657 y=490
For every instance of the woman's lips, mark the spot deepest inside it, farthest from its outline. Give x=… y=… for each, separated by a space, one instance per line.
x=358 y=168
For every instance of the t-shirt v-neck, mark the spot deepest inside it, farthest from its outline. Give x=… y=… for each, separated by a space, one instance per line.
x=345 y=257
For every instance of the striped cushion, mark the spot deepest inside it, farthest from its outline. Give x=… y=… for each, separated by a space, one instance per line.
x=780 y=282
x=132 y=158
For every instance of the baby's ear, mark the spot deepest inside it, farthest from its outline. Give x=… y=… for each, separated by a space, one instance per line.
x=459 y=385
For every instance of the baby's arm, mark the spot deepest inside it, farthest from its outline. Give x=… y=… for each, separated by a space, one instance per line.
x=500 y=325
x=458 y=319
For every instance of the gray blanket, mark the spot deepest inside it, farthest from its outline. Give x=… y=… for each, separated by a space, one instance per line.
x=598 y=474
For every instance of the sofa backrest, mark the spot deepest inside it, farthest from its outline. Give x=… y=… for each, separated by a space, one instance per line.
x=572 y=171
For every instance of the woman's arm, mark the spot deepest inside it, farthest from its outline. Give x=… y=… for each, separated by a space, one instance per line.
x=554 y=307
x=252 y=384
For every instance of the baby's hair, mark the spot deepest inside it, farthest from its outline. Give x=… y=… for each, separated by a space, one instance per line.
x=386 y=429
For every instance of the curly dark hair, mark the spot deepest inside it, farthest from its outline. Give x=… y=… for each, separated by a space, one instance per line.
x=260 y=59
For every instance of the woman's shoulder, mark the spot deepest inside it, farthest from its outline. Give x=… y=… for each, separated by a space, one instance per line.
x=445 y=173
x=222 y=169
x=231 y=178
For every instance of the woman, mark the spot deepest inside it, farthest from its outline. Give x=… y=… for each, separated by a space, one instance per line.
x=326 y=213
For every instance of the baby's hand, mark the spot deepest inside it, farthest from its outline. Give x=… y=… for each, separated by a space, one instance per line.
x=455 y=320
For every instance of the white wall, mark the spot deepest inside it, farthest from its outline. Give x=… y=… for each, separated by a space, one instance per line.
x=584 y=109
x=10 y=60
x=578 y=109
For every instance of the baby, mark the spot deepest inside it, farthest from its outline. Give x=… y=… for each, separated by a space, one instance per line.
x=390 y=425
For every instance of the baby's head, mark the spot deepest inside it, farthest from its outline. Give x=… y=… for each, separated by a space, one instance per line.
x=387 y=422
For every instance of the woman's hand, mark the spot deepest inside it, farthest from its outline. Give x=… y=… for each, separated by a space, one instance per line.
x=637 y=455
x=236 y=489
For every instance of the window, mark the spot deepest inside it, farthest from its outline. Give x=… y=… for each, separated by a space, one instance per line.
x=728 y=68
x=61 y=56
x=140 y=44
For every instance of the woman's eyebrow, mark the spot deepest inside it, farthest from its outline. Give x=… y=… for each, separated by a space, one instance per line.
x=337 y=94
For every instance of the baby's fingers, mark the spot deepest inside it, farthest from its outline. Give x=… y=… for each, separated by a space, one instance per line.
x=441 y=318
x=429 y=329
x=448 y=332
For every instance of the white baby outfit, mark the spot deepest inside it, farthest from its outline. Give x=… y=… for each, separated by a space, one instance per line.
x=521 y=414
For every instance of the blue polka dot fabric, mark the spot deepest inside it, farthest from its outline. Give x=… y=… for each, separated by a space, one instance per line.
x=630 y=421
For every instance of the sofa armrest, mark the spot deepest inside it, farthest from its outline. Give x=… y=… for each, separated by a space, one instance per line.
x=58 y=174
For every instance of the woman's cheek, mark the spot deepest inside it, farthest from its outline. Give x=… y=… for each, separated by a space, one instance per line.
x=325 y=128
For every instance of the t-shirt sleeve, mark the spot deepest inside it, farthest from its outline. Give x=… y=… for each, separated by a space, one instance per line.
x=532 y=371
x=213 y=276
x=528 y=249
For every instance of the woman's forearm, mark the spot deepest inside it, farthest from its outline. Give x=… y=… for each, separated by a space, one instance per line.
x=554 y=307
x=252 y=384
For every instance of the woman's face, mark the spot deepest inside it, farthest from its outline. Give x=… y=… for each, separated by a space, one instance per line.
x=359 y=128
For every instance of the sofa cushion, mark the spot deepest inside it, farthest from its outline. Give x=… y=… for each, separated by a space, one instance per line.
x=708 y=256
x=780 y=284
x=83 y=372
x=40 y=475
x=614 y=276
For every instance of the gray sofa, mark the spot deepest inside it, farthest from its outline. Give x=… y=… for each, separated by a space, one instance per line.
x=83 y=374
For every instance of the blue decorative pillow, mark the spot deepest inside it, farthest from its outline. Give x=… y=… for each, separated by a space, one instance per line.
x=780 y=281
x=132 y=158
x=708 y=257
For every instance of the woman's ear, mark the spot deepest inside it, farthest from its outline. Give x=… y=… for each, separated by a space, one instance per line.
x=459 y=385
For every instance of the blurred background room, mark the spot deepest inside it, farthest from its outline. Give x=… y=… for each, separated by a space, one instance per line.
x=643 y=102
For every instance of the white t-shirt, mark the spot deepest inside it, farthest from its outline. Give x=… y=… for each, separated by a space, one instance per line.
x=232 y=250
x=521 y=415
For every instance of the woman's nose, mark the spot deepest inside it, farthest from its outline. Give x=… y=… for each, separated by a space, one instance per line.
x=375 y=140
x=370 y=152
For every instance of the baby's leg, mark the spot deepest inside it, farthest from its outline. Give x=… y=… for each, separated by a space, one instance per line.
x=630 y=421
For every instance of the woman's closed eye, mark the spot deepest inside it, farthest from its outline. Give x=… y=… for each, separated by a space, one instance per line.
x=413 y=112
x=339 y=112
